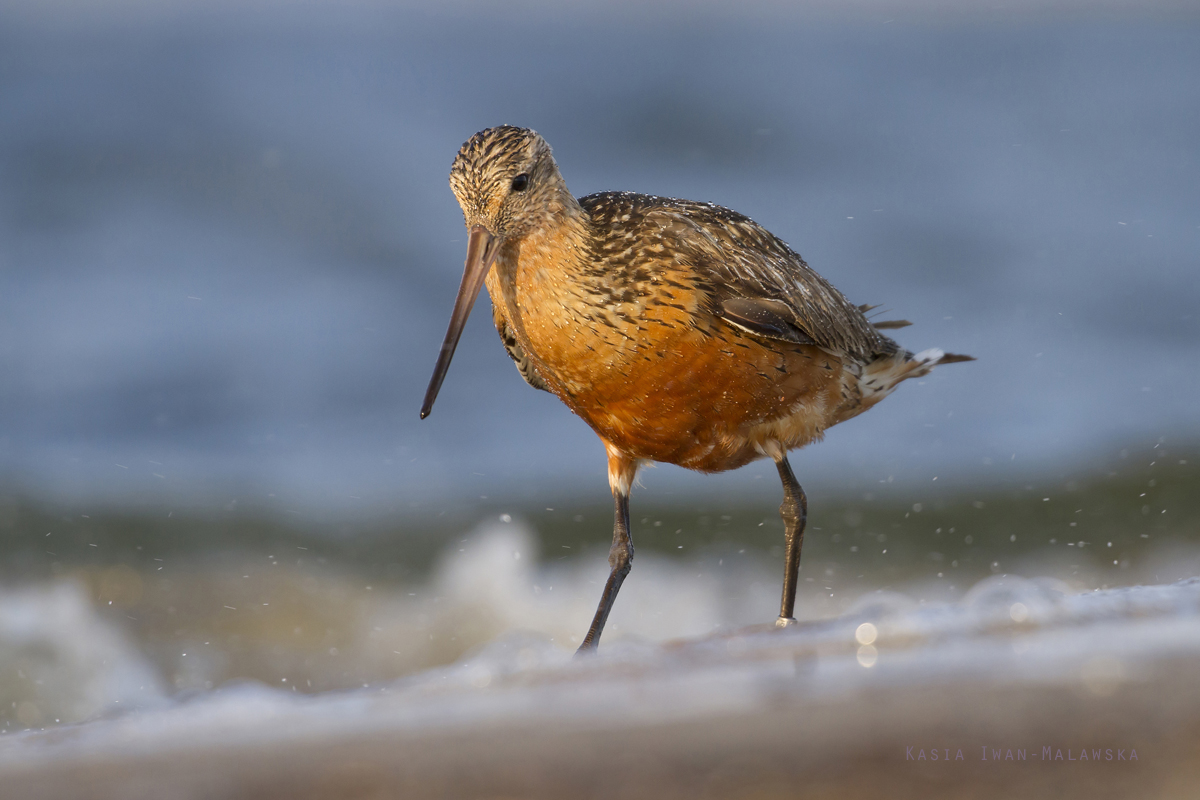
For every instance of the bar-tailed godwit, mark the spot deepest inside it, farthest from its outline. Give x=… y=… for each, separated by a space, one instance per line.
x=681 y=332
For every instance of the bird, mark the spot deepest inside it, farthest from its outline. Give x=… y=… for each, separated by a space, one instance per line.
x=681 y=332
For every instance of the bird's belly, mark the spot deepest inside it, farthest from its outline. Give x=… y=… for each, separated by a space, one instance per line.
x=708 y=398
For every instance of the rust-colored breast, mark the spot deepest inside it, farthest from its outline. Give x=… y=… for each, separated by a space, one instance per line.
x=696 y=400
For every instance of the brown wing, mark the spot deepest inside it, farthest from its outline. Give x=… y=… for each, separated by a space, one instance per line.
x=747 y=276
x=751 y=274
x=772 y=319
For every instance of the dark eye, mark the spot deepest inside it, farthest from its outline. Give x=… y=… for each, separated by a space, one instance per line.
x=520 y=182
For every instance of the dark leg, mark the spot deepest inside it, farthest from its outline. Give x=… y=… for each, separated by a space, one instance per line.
x=794 y=511
x=620 y=559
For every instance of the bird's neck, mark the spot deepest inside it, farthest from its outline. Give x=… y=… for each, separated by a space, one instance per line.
x=555 y=249
x=566 y=227
x=540 y=280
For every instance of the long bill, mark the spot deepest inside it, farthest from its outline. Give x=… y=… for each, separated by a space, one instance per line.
x=482 y=249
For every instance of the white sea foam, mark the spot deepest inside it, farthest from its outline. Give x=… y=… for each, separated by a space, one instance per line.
x=1095 y=641
x=492 y=612
x=61 y=662
x=1040 y=660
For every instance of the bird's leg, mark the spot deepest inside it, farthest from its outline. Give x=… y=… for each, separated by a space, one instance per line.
x=794 y=512
x=620 y=560
x=621 y=471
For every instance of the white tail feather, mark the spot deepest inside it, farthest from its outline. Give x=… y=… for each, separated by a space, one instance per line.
x=930 y=356
x=880 y=377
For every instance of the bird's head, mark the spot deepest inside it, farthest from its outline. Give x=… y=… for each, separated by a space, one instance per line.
x=506 y=181
x=508 y=185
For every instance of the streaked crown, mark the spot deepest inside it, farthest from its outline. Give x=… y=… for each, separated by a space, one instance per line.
x=505 y=178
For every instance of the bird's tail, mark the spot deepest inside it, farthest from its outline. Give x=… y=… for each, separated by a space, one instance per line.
x=880 y=377
x=928 y=359
x=864 y=385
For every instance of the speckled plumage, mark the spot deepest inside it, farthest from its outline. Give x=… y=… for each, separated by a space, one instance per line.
x=681 y=332
x=729 y=257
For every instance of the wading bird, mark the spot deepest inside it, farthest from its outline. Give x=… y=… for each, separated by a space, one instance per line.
x=681 y=332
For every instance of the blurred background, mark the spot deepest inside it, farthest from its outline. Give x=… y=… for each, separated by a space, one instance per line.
x=228 y=253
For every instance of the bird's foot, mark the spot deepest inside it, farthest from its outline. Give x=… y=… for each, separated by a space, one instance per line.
x=785 y=622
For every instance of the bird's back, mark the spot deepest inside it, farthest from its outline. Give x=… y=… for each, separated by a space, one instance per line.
x=744 y=273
